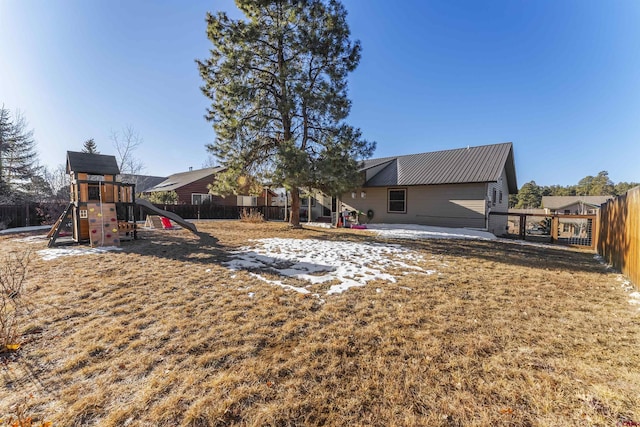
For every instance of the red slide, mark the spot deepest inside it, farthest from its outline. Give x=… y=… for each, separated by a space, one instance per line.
x=166 y=223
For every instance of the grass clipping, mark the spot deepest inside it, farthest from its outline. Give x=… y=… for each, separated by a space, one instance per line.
x=162 y=333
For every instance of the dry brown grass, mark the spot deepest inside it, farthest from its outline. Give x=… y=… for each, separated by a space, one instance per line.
x=162 y=334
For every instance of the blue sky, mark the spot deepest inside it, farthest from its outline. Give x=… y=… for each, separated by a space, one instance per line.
x=558 y=78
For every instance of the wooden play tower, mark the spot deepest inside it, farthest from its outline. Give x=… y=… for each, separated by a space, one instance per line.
x=101 y=209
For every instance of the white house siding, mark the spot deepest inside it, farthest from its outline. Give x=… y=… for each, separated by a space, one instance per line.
x=318 y=203
x=455 y=205
x=498 y=223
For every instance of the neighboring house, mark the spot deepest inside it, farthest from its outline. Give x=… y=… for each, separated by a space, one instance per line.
x=192 y=189
x=143 y=182
x=573 y=205
x=452 y=188
x=191 y=186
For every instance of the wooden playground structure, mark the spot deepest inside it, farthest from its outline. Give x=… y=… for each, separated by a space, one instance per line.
x=101 y=209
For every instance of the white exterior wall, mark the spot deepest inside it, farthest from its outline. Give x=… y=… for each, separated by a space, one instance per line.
x=498 y=223
x=453 y=205
x=317 y=208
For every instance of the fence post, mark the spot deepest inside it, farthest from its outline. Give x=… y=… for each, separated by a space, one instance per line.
x=555 y=226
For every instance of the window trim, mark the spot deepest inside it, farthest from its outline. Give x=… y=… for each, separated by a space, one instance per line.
x=389 y=190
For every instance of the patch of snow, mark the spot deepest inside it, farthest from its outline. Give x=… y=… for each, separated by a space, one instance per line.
x=415 y=231
x=536 y=244
x=634 y=296
x=54 y=253
x=25 y=229
x=317 y=224
x=32 y=239
x=251 y=294
x=319 y=261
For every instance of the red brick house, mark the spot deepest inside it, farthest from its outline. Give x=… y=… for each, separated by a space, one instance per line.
x=191 y=187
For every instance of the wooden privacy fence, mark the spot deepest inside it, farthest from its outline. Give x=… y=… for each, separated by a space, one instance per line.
x=211 y=211
x=28 y=214
x=619 y=241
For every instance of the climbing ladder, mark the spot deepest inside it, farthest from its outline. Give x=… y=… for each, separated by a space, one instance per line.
x=52 y=235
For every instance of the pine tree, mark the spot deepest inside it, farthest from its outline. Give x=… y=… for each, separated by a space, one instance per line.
x=18 y=156
x=529 y=196
x=89 y=146
x=278 y=85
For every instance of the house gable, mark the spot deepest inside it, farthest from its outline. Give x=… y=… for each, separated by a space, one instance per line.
x=464 y=165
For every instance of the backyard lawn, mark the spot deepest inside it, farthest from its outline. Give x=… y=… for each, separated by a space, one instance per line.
x=257 y=324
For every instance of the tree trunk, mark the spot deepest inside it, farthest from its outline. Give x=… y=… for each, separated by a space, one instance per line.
x=295 y=209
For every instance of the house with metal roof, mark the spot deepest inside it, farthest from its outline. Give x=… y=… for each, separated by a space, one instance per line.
x=451 y=188
x=573 y=205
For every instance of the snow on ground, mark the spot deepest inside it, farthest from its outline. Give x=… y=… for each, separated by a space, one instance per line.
x=54 y=253
x=545 y=245
x=634 y=296
x=25 y=229
x=32 y=239
x=414 y=231
x=319 y=261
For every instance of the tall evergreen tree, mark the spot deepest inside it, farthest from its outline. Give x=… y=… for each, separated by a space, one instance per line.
x=529 y=196
x=278 y=85
x=89 y=146
x=18 y=156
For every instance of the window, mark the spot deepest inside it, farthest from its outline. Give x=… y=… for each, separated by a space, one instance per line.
x=198 y=199
x=566 y=228
x=397 y=201
x=500 y=197
x=567 y=211
x=94 y=191
x=493 y=197
x=247 y=201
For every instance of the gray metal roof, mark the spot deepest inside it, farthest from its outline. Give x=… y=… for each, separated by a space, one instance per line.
x=463 y=165
x=558 y=202
x=95 y=164
x=143 y=182
x=181 y=179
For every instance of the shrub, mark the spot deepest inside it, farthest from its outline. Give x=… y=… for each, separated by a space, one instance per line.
x=13 y=271
x=251 y=215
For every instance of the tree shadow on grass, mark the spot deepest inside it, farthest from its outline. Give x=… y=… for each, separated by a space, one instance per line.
x=206 y=249
x=171 y=244
x=500 y=251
